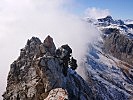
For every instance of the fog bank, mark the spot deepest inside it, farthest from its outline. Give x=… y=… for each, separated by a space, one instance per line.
x=20 y=20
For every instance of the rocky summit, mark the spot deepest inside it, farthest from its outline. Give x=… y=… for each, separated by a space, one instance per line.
x=37 y=74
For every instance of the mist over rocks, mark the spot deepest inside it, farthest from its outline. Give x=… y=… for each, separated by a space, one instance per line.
x=21 y=20
x=37 y=73
x=40 y=73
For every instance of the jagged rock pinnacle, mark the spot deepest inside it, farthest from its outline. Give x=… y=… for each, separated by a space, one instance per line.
x=49 y=44
x=37 y=75
x=48 y=41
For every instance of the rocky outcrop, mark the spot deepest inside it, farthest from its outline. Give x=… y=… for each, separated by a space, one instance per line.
x=37 y=75
x=109 y=20
x=120 y=46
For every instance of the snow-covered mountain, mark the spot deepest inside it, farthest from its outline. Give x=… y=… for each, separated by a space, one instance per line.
x=128 y=21
x=110 y=61
x=109 y=22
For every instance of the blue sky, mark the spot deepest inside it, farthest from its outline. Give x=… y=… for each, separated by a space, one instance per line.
x=118 y=8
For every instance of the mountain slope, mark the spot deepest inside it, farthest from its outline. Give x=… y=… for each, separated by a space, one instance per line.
x=109 y=61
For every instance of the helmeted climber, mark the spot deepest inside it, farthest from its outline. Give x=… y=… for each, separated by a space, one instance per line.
x=64 y=53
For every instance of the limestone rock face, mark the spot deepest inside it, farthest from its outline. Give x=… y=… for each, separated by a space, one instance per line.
x=37 y=75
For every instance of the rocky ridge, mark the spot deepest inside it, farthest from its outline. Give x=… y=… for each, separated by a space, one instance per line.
x=37 y=75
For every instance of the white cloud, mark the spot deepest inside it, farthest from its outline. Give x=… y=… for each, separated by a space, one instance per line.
x=96 y=12
x=22 y=19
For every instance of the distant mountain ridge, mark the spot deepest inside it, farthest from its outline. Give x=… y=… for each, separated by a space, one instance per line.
x=109 y=21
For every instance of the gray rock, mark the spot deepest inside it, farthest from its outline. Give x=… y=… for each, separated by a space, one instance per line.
x=37 y=71
x=120 y=46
